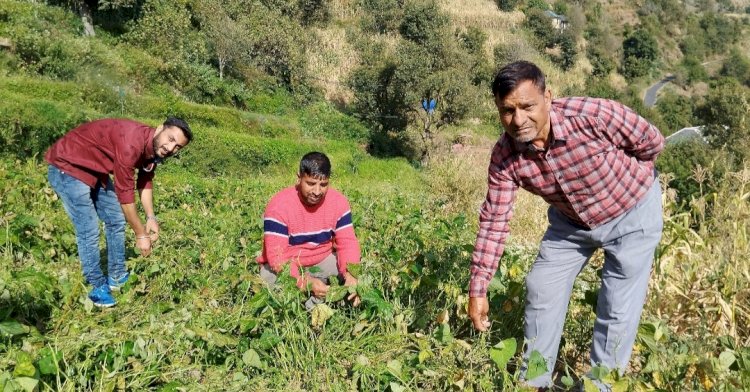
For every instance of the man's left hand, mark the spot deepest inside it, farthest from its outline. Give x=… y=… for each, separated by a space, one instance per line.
x=350 y=280
x=152 y=228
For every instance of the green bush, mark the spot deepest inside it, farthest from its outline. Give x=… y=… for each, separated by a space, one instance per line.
x=28 y=126
x=640 y=52
x=681 y=159
x=323 y=121
x=380 y=16
x=216 y=152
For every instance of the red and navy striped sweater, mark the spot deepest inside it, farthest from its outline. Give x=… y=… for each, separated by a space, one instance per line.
x=304 y=235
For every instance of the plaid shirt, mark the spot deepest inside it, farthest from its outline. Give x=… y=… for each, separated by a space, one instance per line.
x=599 y=164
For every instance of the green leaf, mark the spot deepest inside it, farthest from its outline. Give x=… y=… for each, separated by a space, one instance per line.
x=621 y=386
x=599 y=372
x=396 y=387
x=443 y=334
x=48 y=361
x=268 y=340
x=24 y=365
x=502 y=352
x=567 y=381
x=354 y=269
x=26 y=383
x=336 y=293
x=394 y=367
x=11 y=328
x=252 y=359
x=371 y=297
x=537 y=365
x=589 y=386
x=726 y=359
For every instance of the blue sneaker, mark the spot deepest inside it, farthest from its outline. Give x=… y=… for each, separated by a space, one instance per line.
x=116 y=284
x=102 y=297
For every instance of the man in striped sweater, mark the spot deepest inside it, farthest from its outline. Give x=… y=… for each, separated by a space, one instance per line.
x=310 y=225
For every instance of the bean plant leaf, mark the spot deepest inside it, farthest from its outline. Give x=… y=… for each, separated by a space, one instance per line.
x=443 y=334
x=599 y=372
x=27 y=384
x=252 y=359
x=621 y=386
x=396 y=387
x=394 y=367
x=726 y=359
x=502 y=352
x=567 y=381
x=372 y=297
x=354 y=269
x=48 y=362
x=11 y=328
x=589 y=386
x=336 y=293
x=268 y=340
x=537 y=365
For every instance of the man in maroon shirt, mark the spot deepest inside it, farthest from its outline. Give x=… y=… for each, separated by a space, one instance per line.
x=79 y=167
x=592 y=161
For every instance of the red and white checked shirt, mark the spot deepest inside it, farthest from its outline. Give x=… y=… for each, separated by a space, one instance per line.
x=599 y=164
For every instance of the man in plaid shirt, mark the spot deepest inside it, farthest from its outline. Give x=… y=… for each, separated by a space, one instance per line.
x=592 y=161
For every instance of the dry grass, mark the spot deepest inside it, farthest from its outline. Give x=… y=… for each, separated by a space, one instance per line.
x=462 y=178
x=701 y=280
x=331 y=59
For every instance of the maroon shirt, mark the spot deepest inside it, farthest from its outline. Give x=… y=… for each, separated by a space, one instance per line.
x=93 y=150
x=599 y=164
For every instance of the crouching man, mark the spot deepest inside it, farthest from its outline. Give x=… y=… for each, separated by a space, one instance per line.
x=310 y=225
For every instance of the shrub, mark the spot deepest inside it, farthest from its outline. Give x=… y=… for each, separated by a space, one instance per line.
x=381 y=16
x=323 y=121
x=682 y=159
x=640 y=52
x=29 y=125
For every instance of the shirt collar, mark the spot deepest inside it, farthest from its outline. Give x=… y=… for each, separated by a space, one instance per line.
x=148 y=153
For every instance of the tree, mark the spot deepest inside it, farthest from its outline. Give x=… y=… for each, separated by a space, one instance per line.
x=737 y=66
x=381 y=16
x=422 y=21
x=677 y=112
x=640 y=51
x=225 y=36
x=507 y=5
x=541 y=25
x=428 y=64
x=568 y=51
x=726 y=114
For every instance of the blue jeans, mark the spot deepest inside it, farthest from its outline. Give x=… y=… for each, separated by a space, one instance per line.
x=86 y=206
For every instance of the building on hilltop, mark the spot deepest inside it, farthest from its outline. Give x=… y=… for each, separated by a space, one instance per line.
x=560 y=22
x=687 y=134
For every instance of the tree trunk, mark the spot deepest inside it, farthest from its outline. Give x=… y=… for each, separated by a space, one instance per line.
x=88 y=21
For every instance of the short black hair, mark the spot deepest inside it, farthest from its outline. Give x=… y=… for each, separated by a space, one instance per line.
x=315 y=164
x=513 y=74
x=180 y=123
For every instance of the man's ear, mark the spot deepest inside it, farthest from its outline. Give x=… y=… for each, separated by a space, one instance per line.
x=299 y=179
x=159 y=129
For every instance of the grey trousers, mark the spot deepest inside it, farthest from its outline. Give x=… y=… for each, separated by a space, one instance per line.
x=326 y=269
x=628 y=242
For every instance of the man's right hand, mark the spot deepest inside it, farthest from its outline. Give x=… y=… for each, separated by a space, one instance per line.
x=144 y=245
x=318 y=287
x=478 y=309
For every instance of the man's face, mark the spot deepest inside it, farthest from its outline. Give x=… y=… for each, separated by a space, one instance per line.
x=524 y=113
x=312 y=190
x=168 y=141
